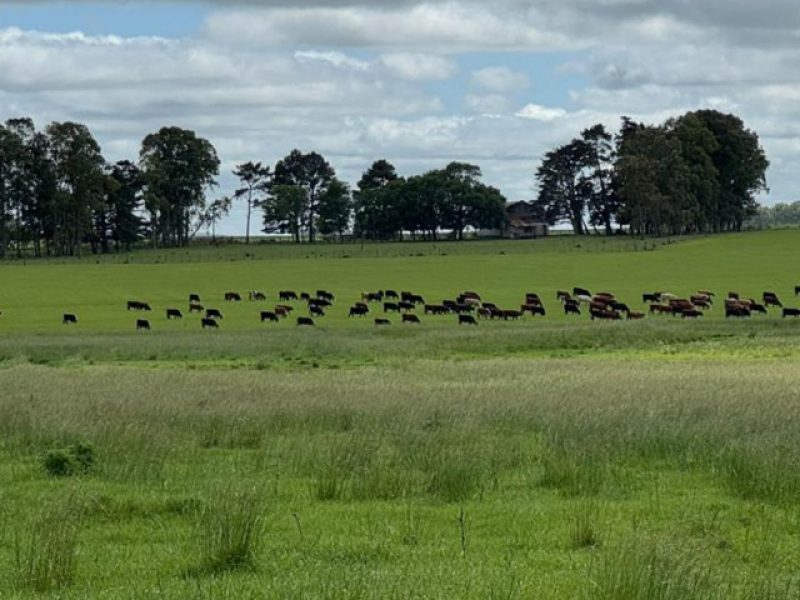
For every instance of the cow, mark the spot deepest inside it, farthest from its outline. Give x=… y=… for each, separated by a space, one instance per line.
x=704 y=304
x=581 y=292
x=411 y=319
x=382 y=322
x=620 y=307
x=791 y=312
x=142 y=324
x=232 y=297
x=194 y=298
x=606 y=315
x=323 y=302
x=463 y=308
x=358 y=311
x=213 y=313
x=193 y=308
x=667 y=296
x=406 y=306
x=533 y=299
x=305 y=297
x=533 y=309
x=490 y=305
x=136 y=305
x=316 y=311
x=285 y=307
x=209 y=324
x=635 y=315
x=680 y=305
x=305 y=322
x=771 y=299
x=659 y=309
x=372 y=296
x=572 y=309
x=649 y=298
x=268 y=315
x=708 y=293
x=286 y=295
x=466 y=320
x=797 y=290
x=583 y=298
x=325 y=295
x=281 y=312
x=391 y=307
x=436 y=309
x=69 y=319
x=256 y=295
x=416 y=299
x=733 y=295
x=737 y=311
x=512 y=315
x=391 y=294
x=484 y=313
x=758 y=308
x=691 y=313
x=174 y=313
x=473 y=295
x=563 y=296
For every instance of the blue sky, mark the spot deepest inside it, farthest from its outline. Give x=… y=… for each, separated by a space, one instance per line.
x=419 y=82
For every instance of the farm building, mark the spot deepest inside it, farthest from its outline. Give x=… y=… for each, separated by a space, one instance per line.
x=523 y=222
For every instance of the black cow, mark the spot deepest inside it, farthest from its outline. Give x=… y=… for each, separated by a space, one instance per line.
x=620 y=306
x=390 y=307
x=411 y=319
x=325 y=295
x=382 y=322
x=758 y=308
x=572 y=309
x=232 y=297
x=69 y=319
x=737 y=310
x=142 y=324
x=315 y=310
x=136 y=305
x=193 y=308
x=406 y=306
x=174 y=313
x=391 y=294
x=791 y=312
x=255 y=295
x=581 y=292
x=305 y=322
x=194 y=298
x=372 y=296
x=691 y=313
x=285 y=295
x=320 y=302
x=797 y=290
x=358 y=311
x=466 y=320
x=268 y=315
x=213 y=313
x=209 y=324
x=305 y=297
x=647 y=298
x=771 y=299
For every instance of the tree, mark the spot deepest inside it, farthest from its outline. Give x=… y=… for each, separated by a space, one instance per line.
x=123 y=203
x=178 y=168
x=335 y=208
x=563 y=191
x=10 y=152
x=284 y=210
x=312 y=174
x=466 y=201
x=376 y=202
x=597 y=183
x=379 y=175
x=213 y=214
x=255 y=182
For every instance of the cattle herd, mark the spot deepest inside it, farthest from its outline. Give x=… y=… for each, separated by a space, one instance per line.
x=469 y=307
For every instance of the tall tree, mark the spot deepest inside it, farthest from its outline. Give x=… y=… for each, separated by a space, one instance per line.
x=597 y=182
x=311 y=173
x=284 y=210
x=254 y=179
x=123 y=202
x=563 y=193
x=375 y=202
x=335 y=208
x=178 y=168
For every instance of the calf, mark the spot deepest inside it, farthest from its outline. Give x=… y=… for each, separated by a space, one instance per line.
x=232 y=297
x=69 y=319
x=466 y=320
x=411 y=319
x=791 y=312
x=285 y=307
x=209 y=324
x=305 y=322
x=213 y=313
x=382 y=322
x=142 y=324
x=194 y=298
x=267 y=315
x=174 y=313
x=358 y=311
x=281 y=312
x=193 y=308
x=391 y=307
x=316 y=311
x=305 y=297
x=286 y=295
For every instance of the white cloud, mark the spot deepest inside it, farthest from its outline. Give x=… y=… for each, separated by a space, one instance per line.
x=419 y=67
x=337 y=59
x=540 y=113
x=500 y=79
x=487 y=104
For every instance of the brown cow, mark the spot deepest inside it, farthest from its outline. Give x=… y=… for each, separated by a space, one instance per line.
x=411 y=319
x=382 y=322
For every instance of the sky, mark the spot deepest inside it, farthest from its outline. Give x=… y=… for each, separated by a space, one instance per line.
x=419 y=83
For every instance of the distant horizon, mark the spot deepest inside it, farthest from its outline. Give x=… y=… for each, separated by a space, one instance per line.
x=417 y=83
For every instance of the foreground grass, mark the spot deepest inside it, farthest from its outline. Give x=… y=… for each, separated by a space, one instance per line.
x=476 y=478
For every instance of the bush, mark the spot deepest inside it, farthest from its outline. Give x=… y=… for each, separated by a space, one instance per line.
x=77 y=459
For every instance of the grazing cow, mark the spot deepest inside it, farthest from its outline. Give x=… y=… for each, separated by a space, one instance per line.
x=620 y=306
x=704 y=304
x=411 y=319
x=466 y=320
x=581 y=292
x=771 y=299
x=213 y=313
x=391 y=294
x=256 y=295
x=285 y=307
x=416 y=299
x=358 y=311
x=635 y=315
x=382 y=322
x=680 y=305
x=194 y=298
x=193 y=308
x=563 y=296
x=142 y=324
x=281 y=312
x=463 y=308
x=305 y=297
x=436 y=309
x=691 y=313
x=797 y=290
x=733 y=295
x=572 y=309
x=316 y=311
x=606 y=315
x=286 y=295
x=473 y=295
x=583 y=298
x=372 y=296
x=737 y=311
x=136 y=305
x=533 y=309
x=209 y=324
x=708 y=293
x=324 y=302
x=391 y=307
x=660 y=309
x=533 y=300
x=404 y=296
x=174 y=313
x=791 y=312
x=598 y=305
x=232 y=297
x=654 y=297
x=305 y=322
x=485 y=313
x=267 y=315
x=667 y=296
x=758 y=308
x=490 y=305
x=69 y=319
x=324 y=295
x=406 y=306
x=512 y=315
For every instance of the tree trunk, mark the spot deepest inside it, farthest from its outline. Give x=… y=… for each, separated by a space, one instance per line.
x=249 y=209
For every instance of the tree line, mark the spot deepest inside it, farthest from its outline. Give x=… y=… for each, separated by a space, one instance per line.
x=779 y=215
x=697 y=173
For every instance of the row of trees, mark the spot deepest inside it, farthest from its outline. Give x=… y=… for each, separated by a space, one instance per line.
x=779 y=215
x=700 y=172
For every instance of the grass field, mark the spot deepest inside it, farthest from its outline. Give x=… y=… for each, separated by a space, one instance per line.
x=549 y=458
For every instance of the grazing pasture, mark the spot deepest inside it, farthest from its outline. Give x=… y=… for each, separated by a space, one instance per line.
x=536 y=457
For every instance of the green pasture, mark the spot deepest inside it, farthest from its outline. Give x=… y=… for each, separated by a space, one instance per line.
x=551 y=458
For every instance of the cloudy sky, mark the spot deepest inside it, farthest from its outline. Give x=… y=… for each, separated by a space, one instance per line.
x=418 y=83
